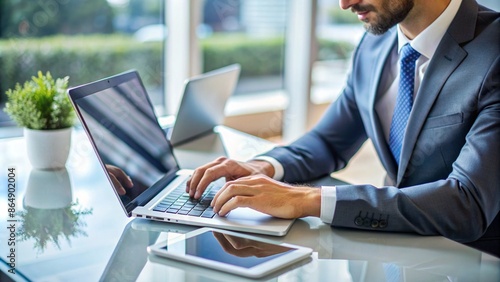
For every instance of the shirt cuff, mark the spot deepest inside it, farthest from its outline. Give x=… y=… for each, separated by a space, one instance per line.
x=279 y=171
x=328 y=202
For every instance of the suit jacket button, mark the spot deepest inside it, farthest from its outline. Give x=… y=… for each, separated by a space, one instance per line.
x=375 y=223
x=367 y=222
x=382 y=224
x=358 y=221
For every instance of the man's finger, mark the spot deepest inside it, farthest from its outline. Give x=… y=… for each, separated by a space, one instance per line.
x=195 y=183
x=240 y=201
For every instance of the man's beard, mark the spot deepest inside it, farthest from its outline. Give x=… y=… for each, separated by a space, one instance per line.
x=391 y=14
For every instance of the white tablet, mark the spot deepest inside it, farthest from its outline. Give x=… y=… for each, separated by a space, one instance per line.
x=231 y=252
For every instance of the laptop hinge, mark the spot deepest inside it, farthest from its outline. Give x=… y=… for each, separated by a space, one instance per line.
x=152 y=191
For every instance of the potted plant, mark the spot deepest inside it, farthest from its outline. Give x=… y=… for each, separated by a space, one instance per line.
x=42 y=107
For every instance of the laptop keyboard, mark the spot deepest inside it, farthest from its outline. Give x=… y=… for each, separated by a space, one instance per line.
x=179 y=202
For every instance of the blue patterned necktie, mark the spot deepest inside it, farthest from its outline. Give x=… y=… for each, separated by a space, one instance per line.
x=404 y=101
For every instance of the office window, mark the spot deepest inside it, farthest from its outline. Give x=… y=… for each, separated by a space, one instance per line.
x=248 y=32
x=85 y=40
x=337 y=33
x=210 y=34
x=253 y=34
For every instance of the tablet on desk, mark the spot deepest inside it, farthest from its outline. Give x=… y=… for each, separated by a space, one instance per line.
x=231 y=252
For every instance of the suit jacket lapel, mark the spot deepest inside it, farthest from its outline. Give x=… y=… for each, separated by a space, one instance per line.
x=447 y=57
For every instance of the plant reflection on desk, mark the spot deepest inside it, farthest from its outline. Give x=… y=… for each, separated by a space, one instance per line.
x=49 y=213
x=243 y=247
x=48 y=225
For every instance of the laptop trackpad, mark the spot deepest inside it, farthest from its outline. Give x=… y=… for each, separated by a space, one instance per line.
x=247 y=216
x=248 y=220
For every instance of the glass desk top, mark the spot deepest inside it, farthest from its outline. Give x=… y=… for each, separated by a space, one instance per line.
x=70 y=227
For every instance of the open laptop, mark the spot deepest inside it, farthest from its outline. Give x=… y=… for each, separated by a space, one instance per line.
x=203 y=102
x=119 y=119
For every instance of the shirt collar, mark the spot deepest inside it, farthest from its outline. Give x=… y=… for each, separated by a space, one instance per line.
x=428 y=40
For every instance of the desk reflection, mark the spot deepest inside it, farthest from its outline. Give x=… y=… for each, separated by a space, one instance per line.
x=48 y=189
x=342 y=255
x=243 y=247
x=131 y=262
x=49 y=214
x=419 y=258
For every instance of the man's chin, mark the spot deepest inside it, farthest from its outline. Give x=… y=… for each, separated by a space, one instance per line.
x=375 y=29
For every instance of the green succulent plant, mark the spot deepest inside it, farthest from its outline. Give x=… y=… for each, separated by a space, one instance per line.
x=41 y=103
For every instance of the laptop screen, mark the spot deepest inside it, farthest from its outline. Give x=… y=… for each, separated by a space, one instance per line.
x=121 y=123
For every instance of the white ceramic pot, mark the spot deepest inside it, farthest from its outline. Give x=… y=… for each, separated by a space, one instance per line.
x=48 y=149
x=48 y=189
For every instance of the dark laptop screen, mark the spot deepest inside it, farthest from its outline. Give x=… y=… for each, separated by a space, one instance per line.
x=123 y=127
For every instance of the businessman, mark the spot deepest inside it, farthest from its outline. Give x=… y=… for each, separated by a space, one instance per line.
x=424 y=87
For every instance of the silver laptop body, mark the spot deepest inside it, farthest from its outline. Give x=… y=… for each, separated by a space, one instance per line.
x=119 y=119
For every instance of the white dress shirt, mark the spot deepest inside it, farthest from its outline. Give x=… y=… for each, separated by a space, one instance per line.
x=426 y=44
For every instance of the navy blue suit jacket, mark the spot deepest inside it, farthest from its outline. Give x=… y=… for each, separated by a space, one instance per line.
x=448 y=181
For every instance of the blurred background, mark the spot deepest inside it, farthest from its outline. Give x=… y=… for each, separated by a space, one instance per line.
x=294 y=54
x=89 y=40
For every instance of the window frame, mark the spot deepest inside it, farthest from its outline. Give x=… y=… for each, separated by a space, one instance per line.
x=183 y=57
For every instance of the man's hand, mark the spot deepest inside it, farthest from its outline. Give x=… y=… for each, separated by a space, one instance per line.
x=224 y=167
x=120 y=179
x=269 y=196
